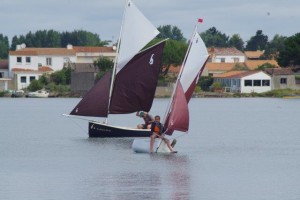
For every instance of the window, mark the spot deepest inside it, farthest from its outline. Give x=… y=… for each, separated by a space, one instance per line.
x=49 y=61
x=31 y=78
x=256 y=82
x=265 y=82
x=222 y=60
x=19 y=59
x=248 y=82
x=28 y=59
x=23 y=79
x=283 y=81
x=297 y=79
x=1 y=74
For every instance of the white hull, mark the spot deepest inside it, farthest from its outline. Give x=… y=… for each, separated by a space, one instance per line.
x=143 y=146
x=38 y=94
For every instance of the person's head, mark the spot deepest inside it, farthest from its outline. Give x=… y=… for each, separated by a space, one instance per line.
x=141 y=114
x=157 y=118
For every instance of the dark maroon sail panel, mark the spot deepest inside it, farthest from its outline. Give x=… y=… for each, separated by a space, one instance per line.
x=135 y=84
x=179 y=115
x=95 y=102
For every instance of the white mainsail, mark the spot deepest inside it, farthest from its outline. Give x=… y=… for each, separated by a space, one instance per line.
x=136 y=32
x=195 y=60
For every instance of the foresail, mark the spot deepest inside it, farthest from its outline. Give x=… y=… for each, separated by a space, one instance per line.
x=95 y=102
x=193 y=66
x=137 y=31
x=135 y=84
x=178 y=117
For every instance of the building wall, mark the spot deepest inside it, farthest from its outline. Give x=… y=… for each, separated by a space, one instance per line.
x=290 y=82
x=257 y=89
x=228 y=59
x=35 y=61
x=4 y=73
x=19 y=84
x=81 y=82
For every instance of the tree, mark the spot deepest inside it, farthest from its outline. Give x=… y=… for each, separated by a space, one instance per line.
x=4 y=45
x=265 y=66
x=104 y=64
x=290 y=54
x=236 y=41
x=81 y=38
x=214 y=38
x=273 y=47
x=35 y=85
x=205 y=82
x=171 y=32
x=257 y=42
x=58 y=77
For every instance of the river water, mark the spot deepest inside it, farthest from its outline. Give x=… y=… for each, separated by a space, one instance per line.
x=236 y=148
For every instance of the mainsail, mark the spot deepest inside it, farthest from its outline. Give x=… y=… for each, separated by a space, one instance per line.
x=131 y=86
x=136 y=32
x=187 y=80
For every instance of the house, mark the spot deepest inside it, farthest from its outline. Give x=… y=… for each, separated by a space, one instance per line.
x=283 y=78
x=25 y=63
x=3 y=68
x=245 y=81
x=226 y=55
x=23 y=77
x=254 y=64
x=212 y=69
x=90 y=54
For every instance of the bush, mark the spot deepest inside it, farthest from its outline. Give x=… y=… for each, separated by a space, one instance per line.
x=35 y=85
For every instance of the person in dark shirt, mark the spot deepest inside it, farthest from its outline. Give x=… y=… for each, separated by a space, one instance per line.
x=148 y=119
x=157 y=130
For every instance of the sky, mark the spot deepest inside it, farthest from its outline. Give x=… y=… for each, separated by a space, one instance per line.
x=104 y=17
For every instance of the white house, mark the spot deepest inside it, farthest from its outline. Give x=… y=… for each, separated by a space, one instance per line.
x=226 y=55
x=245 y=81
x=33 y=58
x=90 y=54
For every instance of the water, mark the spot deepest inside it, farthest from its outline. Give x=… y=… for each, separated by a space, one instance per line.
x=235 y=149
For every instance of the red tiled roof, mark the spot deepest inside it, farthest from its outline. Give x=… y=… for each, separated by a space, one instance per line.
x=174 y=69
x=220 y=66
x=253 y=64
x=254 y=54
x=40 y=69
x=279 y=71
x=220 y=51
x=43 y=51
x=236 y=74
x=93 y=49
x=3 y=64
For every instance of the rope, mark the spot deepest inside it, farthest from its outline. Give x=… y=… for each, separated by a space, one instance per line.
x=76 y=123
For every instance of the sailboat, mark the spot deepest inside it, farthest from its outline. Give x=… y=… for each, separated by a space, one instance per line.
x=177 y=112
x=131 y=86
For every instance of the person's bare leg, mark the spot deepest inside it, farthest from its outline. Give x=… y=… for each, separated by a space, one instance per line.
x=152 y=139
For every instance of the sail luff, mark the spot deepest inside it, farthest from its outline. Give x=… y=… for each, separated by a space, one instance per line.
x=116 y=61
x=179 y=75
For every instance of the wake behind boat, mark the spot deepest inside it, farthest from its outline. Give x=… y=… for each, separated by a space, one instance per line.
x=131 y=86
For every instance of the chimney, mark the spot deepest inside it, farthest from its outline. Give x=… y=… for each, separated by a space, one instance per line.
x=69 y=46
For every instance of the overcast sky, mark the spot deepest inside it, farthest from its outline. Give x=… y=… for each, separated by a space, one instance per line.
x=244 y=17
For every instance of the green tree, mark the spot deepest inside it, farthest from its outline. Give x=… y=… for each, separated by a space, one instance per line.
x=35 y=85
x=104 y=64
x=82 y=38
x=214 y=38
x=171 y=32
x=265 y=66
x=58 y=77
x=257 y=42
x=205 y=82
x=236 y=41
x=290 y=54
x=4 y=46
x=273 y=47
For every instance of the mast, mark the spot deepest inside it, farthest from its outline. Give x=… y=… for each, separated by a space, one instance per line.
x=116 y=61
x=180 y=73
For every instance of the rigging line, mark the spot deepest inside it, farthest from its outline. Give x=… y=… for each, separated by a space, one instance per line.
x=76 y=123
